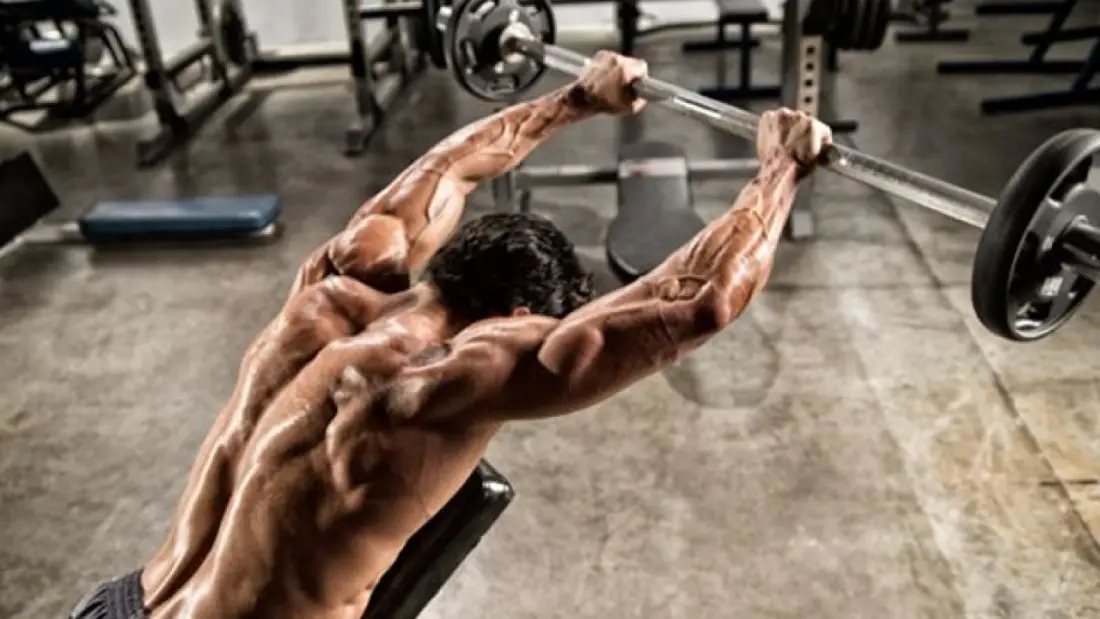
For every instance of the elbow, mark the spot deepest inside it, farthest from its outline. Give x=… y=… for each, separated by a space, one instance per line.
x=713 y=316
x=717 y=309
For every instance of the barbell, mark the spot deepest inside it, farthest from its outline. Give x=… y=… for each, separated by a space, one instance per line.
x=1039 y=252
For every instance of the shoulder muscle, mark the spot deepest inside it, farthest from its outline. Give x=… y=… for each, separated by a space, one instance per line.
x=473 y=369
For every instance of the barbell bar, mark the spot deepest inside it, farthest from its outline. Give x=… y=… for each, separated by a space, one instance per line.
x=937 y=195
x=1040 y=246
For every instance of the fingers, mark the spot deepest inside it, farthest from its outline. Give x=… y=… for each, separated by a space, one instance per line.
x=821 y=136
x=633 y=69
x=630 y=71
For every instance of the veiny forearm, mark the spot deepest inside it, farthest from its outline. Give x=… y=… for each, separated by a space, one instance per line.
x=733 y=255
x=480 y=151
x=397 y=231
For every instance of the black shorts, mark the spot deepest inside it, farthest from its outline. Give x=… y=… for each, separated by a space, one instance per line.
x=121 y=598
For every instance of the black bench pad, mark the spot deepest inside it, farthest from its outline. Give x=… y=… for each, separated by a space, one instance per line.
x=437 y=549
x=655 y=215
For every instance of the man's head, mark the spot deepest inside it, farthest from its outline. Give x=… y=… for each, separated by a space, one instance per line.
x=499 y=264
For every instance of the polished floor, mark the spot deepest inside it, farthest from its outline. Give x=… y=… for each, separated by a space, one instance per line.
x=855 y=447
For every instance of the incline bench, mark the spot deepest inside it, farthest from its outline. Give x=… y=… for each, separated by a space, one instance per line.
x=436 y=551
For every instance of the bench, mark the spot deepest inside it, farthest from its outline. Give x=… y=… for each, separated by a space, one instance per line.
x=743 y=14
x=655 y=215
x=439 y=547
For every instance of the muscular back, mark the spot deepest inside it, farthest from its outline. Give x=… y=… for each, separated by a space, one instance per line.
x=314 y=474
x=285 y=448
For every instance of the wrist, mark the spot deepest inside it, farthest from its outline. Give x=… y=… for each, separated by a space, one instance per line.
x=574 y=99
x=781 y=166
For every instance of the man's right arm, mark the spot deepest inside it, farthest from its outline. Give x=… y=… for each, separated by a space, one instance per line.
x=396 y=232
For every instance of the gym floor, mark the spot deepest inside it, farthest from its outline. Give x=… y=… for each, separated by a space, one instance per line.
x=856 y=446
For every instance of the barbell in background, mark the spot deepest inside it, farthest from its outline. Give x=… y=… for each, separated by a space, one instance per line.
x=1039 y=252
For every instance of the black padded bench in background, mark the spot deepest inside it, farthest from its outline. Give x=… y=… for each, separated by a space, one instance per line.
x=743 y=14
x=437 y=549
x=655 y=210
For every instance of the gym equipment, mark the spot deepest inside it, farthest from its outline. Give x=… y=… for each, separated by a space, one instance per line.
x=381 y=66
x=381 y=71
x=205 y=218
x=654 y=194
x=1039 y=254
x=743 y=14
x=28 y=198
x=931 y=15
x=54 y=56
x=225 y=45
x=627 y=14
x=850 y=25
x=802 y=66
x=1015 y=7
x=437 y=549
x=843 y=24
x=475 y=24
x=1022 y=299
x=1036 y=62
x=1084 y=72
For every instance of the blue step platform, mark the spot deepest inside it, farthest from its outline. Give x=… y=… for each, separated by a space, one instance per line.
x=211 y=217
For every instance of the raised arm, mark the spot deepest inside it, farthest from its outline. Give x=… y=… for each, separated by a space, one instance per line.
x=532 y=367
x=395 y=233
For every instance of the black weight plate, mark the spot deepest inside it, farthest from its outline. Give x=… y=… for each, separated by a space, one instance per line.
x=230 y=32
x=859 y=41
x=853 y=13
x=870 y=20
x=845 y=25
x=430 y=37
x=859 y=21
x=830 y=22
x=883 y=10
x=1020 y=289
x=818 y=17
x=473 y=49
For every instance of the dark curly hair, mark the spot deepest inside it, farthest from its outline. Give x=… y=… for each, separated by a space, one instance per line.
x=500 y=262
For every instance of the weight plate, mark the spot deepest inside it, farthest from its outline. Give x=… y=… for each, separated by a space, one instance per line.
x=472 y=44
x=883 y=11
x=1021 y=289
x=230 y=34
x=429 y=37
x=848 y=24
x=848 y=19
x=859 y=22
x=817 y=17
x=870 y=19
x=859 y=25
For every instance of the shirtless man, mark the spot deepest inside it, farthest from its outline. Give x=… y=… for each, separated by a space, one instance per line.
x=367 y=402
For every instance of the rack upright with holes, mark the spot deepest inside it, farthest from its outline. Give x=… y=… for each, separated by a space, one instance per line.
x=803 y=60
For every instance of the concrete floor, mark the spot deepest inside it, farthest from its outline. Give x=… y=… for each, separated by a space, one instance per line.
x=856 y=446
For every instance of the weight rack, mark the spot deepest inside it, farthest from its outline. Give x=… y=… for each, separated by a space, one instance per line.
x=180 y=114
x=381 y=70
